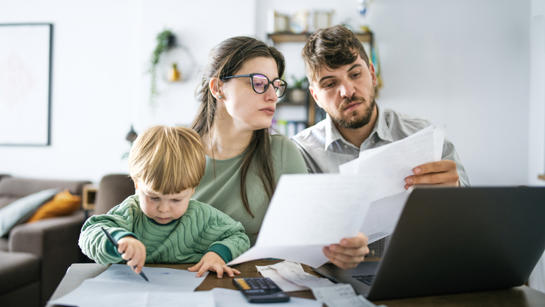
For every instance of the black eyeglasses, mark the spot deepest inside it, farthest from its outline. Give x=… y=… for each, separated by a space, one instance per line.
x=260 y=83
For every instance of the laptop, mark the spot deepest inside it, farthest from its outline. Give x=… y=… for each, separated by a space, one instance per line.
x=453 y=240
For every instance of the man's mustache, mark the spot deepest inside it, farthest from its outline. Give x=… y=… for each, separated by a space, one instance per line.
x=347 y=101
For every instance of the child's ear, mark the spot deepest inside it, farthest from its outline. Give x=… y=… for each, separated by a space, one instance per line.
x=135 y=185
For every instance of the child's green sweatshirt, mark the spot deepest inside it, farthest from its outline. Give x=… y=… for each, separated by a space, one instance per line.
x=202 y=228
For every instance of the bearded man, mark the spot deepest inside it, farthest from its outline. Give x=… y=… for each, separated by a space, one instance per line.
x=342 y=81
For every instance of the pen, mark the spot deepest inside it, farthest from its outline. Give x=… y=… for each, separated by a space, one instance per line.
x=114 y=242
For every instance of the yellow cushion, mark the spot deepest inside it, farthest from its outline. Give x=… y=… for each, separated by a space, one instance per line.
x=62 y=204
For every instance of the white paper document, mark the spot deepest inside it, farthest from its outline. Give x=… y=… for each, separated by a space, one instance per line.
x=120 y=286
x=306 y=213
x=382 y=171
x=388 y=165
x=340 y=295
x=233 y=298
x=290 y=276
x=284 y=284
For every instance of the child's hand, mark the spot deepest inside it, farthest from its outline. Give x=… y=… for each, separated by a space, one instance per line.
x=133 y=251
x=213 y=262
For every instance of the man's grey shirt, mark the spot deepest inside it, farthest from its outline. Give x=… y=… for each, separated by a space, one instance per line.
x=324 y=148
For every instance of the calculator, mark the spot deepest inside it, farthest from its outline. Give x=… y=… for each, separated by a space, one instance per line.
x=260 y=290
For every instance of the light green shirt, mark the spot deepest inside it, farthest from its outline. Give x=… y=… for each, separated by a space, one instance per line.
x=220 y=186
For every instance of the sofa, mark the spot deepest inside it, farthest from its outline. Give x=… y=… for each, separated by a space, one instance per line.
x=34 y=256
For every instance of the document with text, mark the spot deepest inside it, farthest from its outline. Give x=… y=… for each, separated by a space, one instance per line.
x=383 y=171
x=308 y=212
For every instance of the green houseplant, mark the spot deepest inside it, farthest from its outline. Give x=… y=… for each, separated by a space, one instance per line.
x=165 y=41
x=298 y=89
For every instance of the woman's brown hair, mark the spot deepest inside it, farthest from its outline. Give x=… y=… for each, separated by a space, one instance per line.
x=225 y=60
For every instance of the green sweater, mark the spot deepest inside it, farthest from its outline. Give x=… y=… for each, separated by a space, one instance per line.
x=220 y=186
x=202 y=228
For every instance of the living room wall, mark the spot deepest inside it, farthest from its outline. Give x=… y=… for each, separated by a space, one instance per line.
x=102 y=51
x=461 y=64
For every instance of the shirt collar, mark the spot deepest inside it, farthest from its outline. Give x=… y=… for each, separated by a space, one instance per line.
x=381 y=128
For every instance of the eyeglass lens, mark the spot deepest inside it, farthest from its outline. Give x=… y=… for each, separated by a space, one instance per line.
x=261 y=84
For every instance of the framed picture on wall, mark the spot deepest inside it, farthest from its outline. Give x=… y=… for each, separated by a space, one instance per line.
x=25 y=84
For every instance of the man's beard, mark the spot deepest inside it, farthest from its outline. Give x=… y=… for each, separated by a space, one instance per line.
x=357 y=122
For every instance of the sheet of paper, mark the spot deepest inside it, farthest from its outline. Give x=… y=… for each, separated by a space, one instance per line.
x=383 y=170
x=354 y=301
x=119 y=285
x=390 y=164
x=284 y=284
x=307 y=212
x=233 y=298
x=383 y=215
x=308 y=254
x=340 y=295
x=331 y=293
x=294 y=272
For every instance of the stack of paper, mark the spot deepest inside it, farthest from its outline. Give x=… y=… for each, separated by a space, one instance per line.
x=119 y=286
x=308 y=212
x=383 y=171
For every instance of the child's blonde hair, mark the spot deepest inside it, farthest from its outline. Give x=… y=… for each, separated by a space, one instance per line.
x=167 y=159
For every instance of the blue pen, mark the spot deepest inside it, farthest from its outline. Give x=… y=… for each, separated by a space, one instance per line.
x=114 y=242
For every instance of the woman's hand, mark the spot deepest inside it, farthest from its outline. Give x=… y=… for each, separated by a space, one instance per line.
x=133 y=251
x=213 y=262
x=349 y=252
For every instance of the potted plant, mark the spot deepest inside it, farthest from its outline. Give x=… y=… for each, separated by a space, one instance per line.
x=298 y=90
x=165 y=41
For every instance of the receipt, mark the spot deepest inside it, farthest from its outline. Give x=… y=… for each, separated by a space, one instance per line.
x=340 y=295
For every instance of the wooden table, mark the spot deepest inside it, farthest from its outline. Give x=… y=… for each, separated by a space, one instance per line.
x=519 y=296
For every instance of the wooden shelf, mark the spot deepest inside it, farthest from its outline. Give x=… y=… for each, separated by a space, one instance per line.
x=541 y=177
x=288 y=37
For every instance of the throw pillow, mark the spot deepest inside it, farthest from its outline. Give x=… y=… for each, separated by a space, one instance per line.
x=22 y=209
x=62 y=204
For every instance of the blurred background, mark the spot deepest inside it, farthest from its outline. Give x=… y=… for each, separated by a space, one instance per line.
x=474 y=68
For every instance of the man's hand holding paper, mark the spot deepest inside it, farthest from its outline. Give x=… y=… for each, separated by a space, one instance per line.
x=441 y=172
x=349 y=252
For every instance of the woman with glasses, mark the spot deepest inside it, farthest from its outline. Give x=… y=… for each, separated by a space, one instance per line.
x=238 y=95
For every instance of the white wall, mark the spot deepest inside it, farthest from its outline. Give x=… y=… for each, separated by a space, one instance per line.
x=465 y=66
x=100 y=85
x=462 y=64
x=536 y=133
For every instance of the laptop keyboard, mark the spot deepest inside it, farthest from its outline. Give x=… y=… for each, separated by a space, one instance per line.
x=366 y=279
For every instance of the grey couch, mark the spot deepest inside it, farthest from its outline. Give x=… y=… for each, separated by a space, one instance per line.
x=34 y=257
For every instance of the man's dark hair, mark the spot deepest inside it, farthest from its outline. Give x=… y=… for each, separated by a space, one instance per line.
x=331 y=47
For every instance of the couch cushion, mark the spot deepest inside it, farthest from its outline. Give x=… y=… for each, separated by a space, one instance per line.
x=62 y=204
x=17 y=270
x=21 y=209
x=12 y=188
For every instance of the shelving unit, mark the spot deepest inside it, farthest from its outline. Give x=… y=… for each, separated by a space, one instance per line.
x=288 y=37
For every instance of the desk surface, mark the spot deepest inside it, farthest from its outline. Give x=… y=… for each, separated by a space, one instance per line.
x=519 y=296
